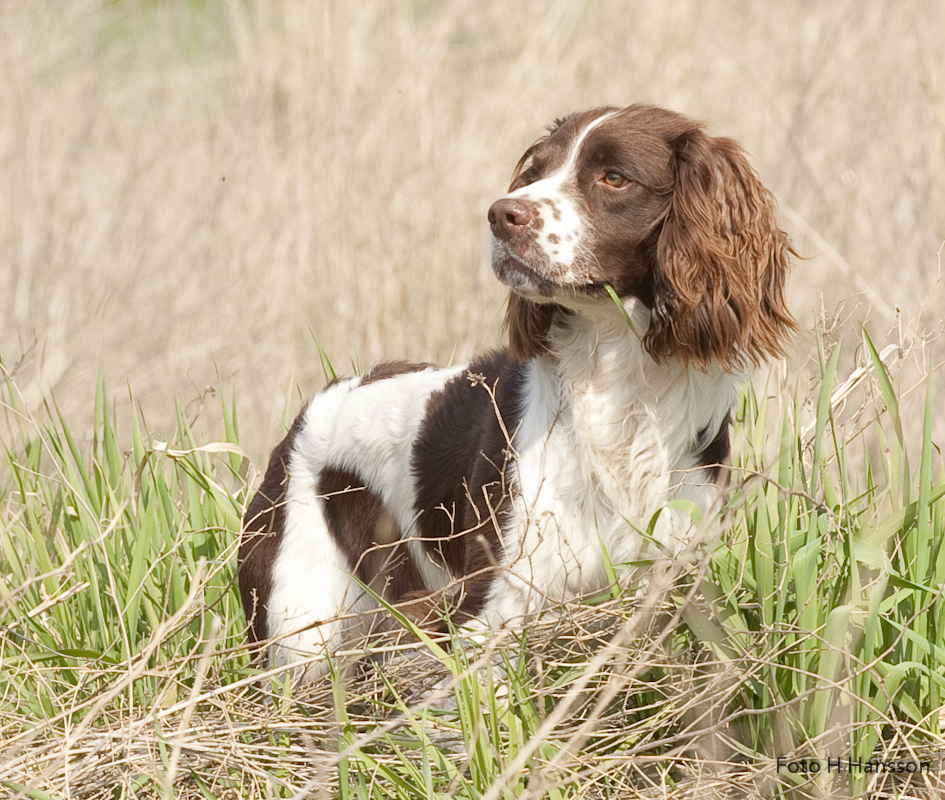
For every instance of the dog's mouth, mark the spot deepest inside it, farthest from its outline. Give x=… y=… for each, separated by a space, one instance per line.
x=519 y=274
x=534 y=276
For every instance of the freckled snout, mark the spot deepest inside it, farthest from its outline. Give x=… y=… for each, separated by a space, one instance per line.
x=510 y=216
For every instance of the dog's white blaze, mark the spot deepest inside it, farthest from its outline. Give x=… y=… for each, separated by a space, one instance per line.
x=311 y=577
x=562 y=228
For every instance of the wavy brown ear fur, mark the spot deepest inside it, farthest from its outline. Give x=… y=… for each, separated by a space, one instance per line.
x=722 y=261
x=527 y=324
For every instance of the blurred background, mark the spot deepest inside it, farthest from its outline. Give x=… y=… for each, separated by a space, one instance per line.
x=197 y=194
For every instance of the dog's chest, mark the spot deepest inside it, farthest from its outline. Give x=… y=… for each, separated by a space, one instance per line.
x=585 y=475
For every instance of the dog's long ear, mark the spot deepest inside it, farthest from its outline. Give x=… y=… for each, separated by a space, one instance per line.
x=527 y=325
x=722 y=261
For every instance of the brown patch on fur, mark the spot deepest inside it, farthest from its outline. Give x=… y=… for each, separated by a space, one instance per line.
x=367 y=535
x=460 y=463
x=527 y=324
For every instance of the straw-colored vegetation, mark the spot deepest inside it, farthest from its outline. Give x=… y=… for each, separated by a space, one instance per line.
x=198 y=192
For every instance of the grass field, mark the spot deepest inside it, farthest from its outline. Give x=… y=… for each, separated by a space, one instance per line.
x=199 y=195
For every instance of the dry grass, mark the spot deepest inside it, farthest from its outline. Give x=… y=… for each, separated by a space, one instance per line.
x=361 y=144
x=606 y=677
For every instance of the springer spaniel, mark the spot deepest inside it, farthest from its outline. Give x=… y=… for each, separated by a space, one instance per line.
x=508 y=484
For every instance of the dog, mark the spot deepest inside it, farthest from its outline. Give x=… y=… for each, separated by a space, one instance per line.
x=646 y=270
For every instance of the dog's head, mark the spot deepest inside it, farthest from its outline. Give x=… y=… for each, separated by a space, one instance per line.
x=642 y=199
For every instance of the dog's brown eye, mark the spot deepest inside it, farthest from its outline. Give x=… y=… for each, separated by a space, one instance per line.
x=614 y=179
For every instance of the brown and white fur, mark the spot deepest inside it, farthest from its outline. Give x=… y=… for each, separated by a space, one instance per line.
x=507 y=484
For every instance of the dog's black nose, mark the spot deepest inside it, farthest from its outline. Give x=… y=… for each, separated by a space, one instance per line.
x=509 y=216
